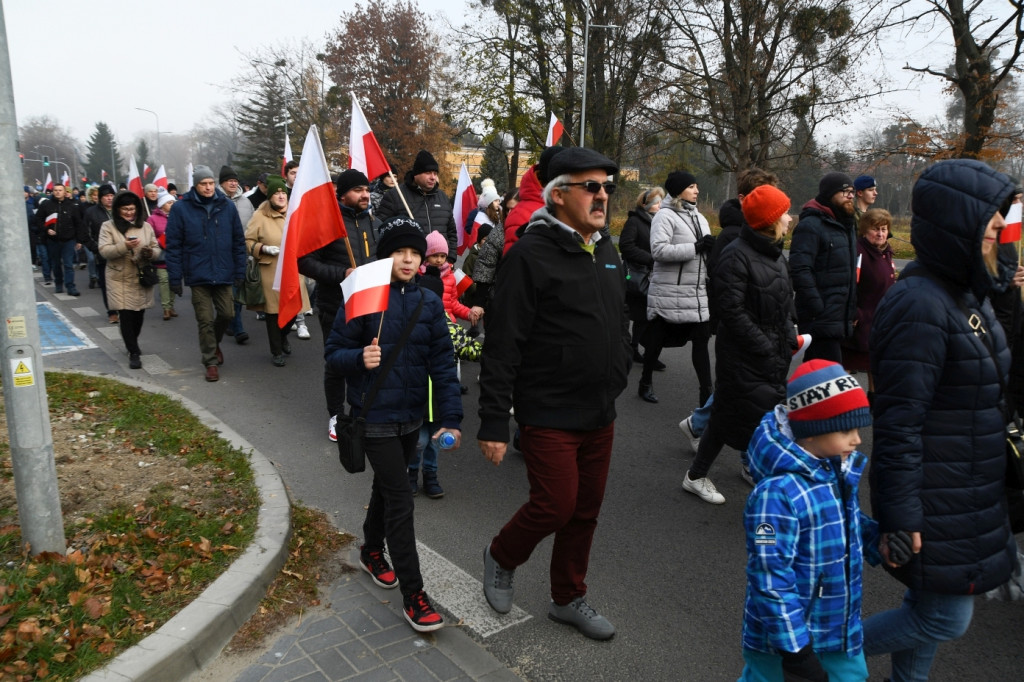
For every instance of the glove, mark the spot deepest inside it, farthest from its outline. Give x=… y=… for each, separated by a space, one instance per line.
x=176 y=288
x=704 y=244
x=802 y=666
x=270 y=250
x=900 y=547
x=146 y=252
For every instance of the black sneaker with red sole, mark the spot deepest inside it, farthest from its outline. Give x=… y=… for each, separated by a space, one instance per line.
x=374 y=563
x=420 y=614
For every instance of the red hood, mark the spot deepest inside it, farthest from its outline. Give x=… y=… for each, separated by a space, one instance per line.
x=531 y=197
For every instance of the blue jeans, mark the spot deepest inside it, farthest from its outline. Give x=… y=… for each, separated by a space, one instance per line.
x=91 y=260
x=425 y=447
x=62 y=261
x=912 y=632
x=699 y=422
x=236 y=322
x=43 y=254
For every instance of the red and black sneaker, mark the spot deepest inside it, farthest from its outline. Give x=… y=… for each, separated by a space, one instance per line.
x=420 y=614
x=374 y=563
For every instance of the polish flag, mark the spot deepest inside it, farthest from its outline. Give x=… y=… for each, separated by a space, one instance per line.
x=287 y=153
x=555 y=129
x=465 y=202
x=49 y=183
x=64 y=179
x=145 y=169
x=134 y=181
x=103 y=175
x=161 y=177
x=860 y=257
x=1013 y=221
x=364 y=153
x=51 y=220
x=462 y=282
x=802 y=342
x=366 y=289
x=188 y=176
x=313 y=221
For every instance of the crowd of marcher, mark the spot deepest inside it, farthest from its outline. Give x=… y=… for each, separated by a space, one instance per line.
x=558 y=314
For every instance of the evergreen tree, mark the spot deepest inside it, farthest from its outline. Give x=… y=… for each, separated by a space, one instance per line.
x=103 y=155
x=262 y=137
x=495 y=163
x=142 y=158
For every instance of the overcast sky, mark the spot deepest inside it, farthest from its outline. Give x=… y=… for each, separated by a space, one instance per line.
x=178 y=58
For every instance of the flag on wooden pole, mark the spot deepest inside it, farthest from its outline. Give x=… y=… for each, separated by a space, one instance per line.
x=462 y=282
x=555 y=129
x=313 y=221
x=161 y=177
x=134 y=181
x=49 y=183
x=287 y=154
x=1013 y=225
x=364 y=153
x=366 y=289
x=64 y=179
x=145 y=169
x=465 y=202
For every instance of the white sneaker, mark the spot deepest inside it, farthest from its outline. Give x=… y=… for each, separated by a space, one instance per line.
x=303 y=332
x=686 y=426
x=703 y=488
x=332 y=432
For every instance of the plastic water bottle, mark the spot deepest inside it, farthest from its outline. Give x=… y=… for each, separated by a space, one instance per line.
x=445 y=441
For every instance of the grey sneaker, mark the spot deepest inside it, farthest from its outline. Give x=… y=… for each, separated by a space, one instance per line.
x=703 y=488
x=583 y=617
x=497 y=583
x=745 y=474
x=686 y=426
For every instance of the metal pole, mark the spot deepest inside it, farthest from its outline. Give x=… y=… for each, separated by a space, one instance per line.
x=113 y=164
x=586 y=51
x=157 y=130
x=28 y=417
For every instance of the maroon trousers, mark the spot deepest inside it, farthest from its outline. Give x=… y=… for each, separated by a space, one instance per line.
x=567 y=471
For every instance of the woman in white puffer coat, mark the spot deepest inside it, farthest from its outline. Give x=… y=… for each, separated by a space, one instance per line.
x=677 y=301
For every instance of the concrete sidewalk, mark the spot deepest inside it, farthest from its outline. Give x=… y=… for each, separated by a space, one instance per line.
x=359 y=633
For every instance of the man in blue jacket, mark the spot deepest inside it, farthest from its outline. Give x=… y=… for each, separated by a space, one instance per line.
x=206 y=247
x=559 y=304
x=823 y=264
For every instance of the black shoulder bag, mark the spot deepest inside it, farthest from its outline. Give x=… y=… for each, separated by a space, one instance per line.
x=351 y=430
x=1014 y=430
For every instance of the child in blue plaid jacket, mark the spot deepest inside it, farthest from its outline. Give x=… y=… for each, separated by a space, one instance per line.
x=806 y=535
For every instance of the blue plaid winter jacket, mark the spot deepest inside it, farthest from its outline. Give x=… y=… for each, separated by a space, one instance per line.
x=805 y=538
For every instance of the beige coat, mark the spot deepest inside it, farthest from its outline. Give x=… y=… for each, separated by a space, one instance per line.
x=266 y=227
x=123 y=289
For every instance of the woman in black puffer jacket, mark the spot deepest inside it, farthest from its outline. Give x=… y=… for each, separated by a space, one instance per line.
x=756 y=333
x=635 y=248
x=939 y=463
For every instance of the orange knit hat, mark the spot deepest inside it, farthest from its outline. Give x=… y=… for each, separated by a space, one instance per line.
x=764 y=206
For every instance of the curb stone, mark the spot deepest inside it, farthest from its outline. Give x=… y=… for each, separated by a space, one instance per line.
x=198 y=633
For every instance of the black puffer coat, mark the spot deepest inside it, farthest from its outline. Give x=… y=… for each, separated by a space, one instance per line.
x=756 y=334
x=432 y=210
x=823 y=259
x=938 y=464
x=635 y=247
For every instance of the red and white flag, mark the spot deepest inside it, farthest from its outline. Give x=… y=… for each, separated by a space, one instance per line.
x=188 y=176
x=51 y=220
x=462 y=282
x=134 y=181
x=555 y=129
x=145 y=169
x=287 y=153
x=1013 y=225
x=313 y=221
x=366 y=289
x=802 y=342
x=860 y=257
x=465 y=202
x=161 y=177
x=103 y=175
x=64 y=179
x=49 y=183
x=364 y=153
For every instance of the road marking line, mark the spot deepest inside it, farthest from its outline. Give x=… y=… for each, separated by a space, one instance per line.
x=462 y=595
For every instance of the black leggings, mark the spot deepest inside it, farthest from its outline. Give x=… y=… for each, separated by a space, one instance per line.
x=130 y=323
x=711 y=444
x=697 y=334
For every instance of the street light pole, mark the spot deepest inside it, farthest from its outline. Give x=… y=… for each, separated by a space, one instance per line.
x=157 y=130
x=586 y=53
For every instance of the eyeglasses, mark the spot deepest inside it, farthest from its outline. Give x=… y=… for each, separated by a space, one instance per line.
x=593 y=186
x=849 y=192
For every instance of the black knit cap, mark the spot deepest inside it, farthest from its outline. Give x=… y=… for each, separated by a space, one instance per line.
x=677 y=181
x=830 y=184
x=349 y=179
x=424 y=163
x=398 y=232
x=106 y=189
x=227 y=173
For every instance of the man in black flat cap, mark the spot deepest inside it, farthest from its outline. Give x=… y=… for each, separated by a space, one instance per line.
x=823 y=265
x=559 y=311
x=429 y=205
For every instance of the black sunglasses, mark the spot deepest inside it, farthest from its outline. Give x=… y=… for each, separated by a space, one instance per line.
x=593 y=186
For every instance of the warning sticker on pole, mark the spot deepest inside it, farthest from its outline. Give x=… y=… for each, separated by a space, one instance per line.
x=22 y=371
x=16 y=328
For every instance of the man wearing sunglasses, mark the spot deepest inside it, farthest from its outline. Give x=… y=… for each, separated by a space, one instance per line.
x=823 y=265
x=557 y=351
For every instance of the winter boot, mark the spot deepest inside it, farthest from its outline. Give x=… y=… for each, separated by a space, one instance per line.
x=431 y=488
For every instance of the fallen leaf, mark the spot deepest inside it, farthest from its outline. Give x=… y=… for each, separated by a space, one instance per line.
x=95 y=608
x=297 y=576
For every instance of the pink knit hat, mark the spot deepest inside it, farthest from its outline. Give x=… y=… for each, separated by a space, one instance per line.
x=436 y=243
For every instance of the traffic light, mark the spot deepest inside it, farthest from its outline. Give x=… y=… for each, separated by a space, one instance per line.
x=22 y=157
x=46 y=160
x=85 y=180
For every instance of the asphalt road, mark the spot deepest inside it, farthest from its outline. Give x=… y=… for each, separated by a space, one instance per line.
x=666 y=568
